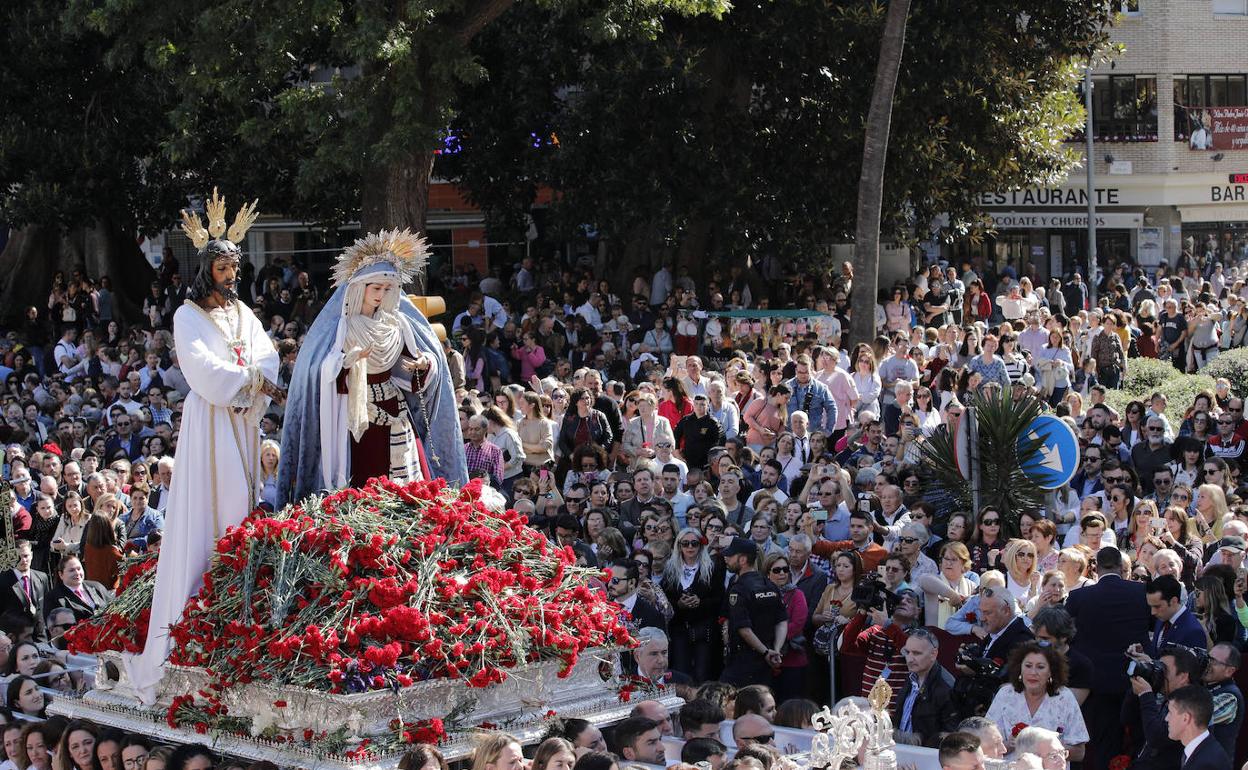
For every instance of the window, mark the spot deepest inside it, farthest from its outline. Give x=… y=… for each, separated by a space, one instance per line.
x=1231 y=7
x=1124 y=108
x=1194 y=92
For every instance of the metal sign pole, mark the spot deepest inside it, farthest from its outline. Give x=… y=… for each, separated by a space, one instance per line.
x=973 y=441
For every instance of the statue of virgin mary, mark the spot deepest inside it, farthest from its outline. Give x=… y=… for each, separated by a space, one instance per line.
x=370 y=394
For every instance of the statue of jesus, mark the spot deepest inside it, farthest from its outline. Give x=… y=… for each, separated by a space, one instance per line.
x=230 y=364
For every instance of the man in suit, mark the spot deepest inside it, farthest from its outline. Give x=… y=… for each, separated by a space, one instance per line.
x=1006 y=630
x=1174 y=623
x=1147 y=712
x=75 y=592
x=622 y=588
x=22 y=591
x=1110 y=616
x=164 y=477
x=1188 y=723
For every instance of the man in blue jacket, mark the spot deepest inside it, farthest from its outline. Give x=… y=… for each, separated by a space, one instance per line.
x=1174 y=623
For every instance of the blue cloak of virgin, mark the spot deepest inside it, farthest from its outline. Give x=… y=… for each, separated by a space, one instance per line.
x=300 y=472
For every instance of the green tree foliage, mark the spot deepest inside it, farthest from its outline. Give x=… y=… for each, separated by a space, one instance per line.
x=321 y=108
x=724 y=134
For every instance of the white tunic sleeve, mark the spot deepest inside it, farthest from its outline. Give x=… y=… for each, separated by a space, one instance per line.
x=202 y=356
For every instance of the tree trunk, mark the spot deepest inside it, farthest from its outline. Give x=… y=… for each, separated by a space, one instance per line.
x=34 y=254
x=871 y=181
x=396 y=196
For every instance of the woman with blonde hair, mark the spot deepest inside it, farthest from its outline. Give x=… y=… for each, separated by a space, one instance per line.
x=270 y=458
x=945 y=593
x=1211 y=512
x=866 y=380
x=1073 y=564
x=502 y=434
x=1022 y=577
x=497 y=751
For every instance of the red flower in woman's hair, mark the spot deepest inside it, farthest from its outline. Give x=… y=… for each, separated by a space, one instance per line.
x=1018 y=728
x=1120 y=762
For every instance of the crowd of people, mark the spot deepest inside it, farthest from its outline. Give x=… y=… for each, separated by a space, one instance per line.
x=753 y=491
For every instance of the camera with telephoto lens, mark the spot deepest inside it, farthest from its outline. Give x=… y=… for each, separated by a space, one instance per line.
x=1154 y=671
x=871 y=594
x=971 y=655
x=973 y=693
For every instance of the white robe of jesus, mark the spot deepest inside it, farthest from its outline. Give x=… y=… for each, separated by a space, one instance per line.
x=218 y=383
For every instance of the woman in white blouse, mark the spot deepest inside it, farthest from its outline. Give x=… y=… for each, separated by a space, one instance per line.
x=1036 y=695
x=945 y=593
x=867 y=380
x=648 y=427
x=1022 y=576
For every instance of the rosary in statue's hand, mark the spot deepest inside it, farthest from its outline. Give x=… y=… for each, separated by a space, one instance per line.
x=419 y=365
x=274 y=392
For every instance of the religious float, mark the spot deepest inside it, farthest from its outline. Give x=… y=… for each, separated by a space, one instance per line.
x=337 y=631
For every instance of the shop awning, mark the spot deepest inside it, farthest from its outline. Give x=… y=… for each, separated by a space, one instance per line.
x=789 y=313
x=1230 y=212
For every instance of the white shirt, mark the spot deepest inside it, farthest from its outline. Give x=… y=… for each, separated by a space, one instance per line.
x=1191 y=747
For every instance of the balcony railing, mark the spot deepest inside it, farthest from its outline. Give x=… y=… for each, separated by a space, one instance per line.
x=1118 y=130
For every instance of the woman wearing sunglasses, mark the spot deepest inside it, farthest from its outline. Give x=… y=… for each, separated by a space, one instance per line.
x=987 y=541
x=694 y=583
x=790 y=681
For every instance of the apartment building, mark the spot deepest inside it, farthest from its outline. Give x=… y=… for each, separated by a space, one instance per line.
x=1170 y=152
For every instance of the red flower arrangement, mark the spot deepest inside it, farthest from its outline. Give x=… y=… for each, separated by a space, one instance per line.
x=369 y=589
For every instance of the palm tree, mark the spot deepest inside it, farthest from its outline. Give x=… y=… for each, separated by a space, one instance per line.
x=871 y=181
x=1001 y=420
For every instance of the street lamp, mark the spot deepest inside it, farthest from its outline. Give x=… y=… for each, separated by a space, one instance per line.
x=1087 y=99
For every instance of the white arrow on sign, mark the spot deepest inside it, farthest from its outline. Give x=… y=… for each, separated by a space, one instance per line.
x=1052 y=457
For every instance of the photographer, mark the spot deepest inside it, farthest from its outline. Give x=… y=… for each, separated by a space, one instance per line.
x=892 y=618
x=981 y=665
x=1151 y=682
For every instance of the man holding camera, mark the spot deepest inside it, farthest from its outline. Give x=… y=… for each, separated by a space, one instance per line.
x=1148 y=712
x=860 y=529
x=892 y=621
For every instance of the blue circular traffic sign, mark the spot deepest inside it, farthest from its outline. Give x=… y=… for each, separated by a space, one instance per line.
x=1057 y=459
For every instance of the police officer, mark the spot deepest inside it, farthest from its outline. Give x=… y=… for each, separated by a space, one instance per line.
x=758 y=622
x=1228 y=701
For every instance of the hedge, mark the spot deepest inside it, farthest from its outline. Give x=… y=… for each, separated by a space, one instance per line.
x=1233 y=365
x=1146 y=376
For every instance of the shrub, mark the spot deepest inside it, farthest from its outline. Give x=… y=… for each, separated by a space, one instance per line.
x=1233 y=365
x=1144 y=375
